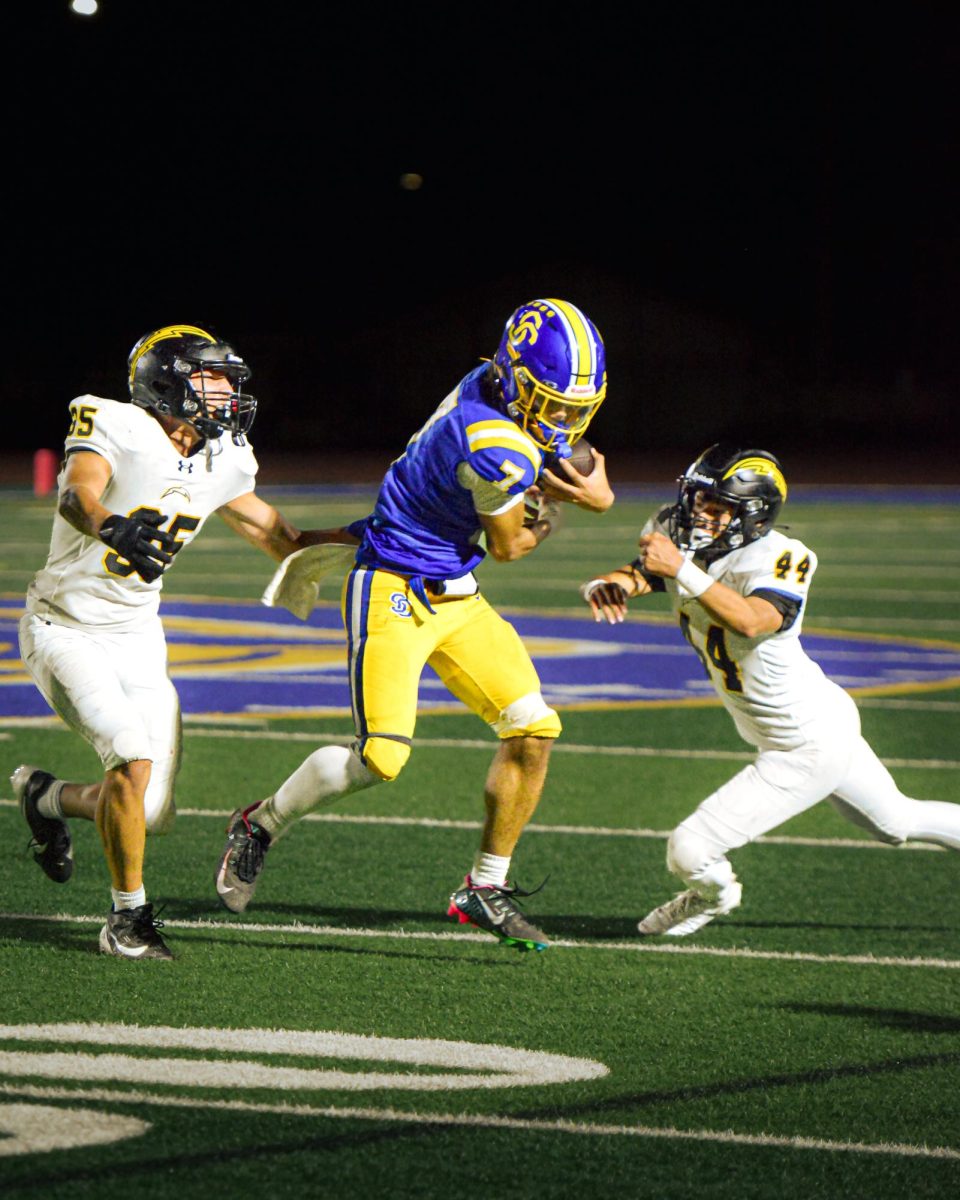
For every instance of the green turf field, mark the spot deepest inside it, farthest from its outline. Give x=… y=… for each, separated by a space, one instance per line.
x=806 y=1046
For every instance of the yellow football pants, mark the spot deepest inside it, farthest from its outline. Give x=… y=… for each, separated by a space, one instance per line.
x=478 y=655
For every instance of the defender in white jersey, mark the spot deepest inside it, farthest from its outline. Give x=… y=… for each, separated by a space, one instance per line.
x=138 y=483
x=739 y=588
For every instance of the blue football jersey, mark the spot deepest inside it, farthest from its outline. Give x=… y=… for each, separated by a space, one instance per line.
x=424 y=521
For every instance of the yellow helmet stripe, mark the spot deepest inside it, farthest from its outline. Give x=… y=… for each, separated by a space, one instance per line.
x=161 y=335
x=761 y=466
x=580 y=336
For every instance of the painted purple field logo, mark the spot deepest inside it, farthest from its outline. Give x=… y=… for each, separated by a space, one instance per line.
x=246 y=660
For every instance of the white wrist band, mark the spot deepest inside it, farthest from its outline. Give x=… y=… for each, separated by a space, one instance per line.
x=587 y=590
x=693 y=580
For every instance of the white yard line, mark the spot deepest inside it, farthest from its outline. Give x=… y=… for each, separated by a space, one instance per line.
x=331 y=818
x=457 y=935
x=233 y=730
x=561 y=747
x=480 y=1121
x=577 y=830
x=489 y=745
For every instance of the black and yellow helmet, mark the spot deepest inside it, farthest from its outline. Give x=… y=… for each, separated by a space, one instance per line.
x=750 y=481
x=159 y=370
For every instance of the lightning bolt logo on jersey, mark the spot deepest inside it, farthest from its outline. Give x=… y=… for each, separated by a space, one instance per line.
x=86 y=583
x=468 y=457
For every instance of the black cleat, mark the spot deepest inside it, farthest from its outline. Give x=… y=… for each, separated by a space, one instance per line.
x=492 y=909
x=50 y=837
x=132 y=933
x=241 y=861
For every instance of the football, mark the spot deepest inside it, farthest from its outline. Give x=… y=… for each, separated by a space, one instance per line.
x=581 y=458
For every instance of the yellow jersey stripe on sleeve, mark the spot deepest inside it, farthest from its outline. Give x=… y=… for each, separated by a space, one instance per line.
x=484 y=434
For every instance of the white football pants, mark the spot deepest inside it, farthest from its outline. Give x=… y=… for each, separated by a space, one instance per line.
x=114 y=691
x=836 y=764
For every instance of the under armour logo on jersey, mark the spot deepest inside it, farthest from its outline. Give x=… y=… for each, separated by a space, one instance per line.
x=400 y=605
x=185 y=466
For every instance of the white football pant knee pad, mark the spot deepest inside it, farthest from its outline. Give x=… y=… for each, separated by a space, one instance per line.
x=159 y=808
x=530 y=716
x=328 y=773
x=695 y=861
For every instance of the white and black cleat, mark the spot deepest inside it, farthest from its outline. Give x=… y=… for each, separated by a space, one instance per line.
x=50 y=838
x=133 y=933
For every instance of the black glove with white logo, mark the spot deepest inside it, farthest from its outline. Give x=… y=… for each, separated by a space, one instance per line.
x=138 y=540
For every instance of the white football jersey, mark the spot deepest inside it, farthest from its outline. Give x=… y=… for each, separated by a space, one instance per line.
x=86 y=583
x=768 y=684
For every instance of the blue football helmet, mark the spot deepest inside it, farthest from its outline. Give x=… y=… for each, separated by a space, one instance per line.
x=552 y=371
x=159 y=370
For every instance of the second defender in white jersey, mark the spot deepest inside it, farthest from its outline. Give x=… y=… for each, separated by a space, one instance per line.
x=739 y=587
x=138 y=482
x=769 y=685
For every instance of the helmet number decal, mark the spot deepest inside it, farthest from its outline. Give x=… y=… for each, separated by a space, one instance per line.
x=181 y=524
x=81 y=420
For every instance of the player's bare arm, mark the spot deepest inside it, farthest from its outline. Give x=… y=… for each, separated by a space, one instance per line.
x=592 y=491
x=266 y=528
x=508 y=537
x=750 y=616
x=136 y=538
x=85 y=479
x=608 y=594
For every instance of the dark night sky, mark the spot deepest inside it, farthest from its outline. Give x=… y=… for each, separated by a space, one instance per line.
x=755 y=203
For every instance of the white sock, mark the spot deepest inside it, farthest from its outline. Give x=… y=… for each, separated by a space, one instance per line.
x=489 y=869
x=328 y=773
x=718 y=885
x=49 y=803
x=128 y=899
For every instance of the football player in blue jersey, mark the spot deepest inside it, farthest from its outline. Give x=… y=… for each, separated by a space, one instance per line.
x=412 y=599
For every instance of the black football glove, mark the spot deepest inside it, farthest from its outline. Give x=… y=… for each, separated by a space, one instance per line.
x=136 y=538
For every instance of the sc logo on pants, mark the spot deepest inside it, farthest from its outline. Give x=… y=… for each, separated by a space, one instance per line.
x=400 y=605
